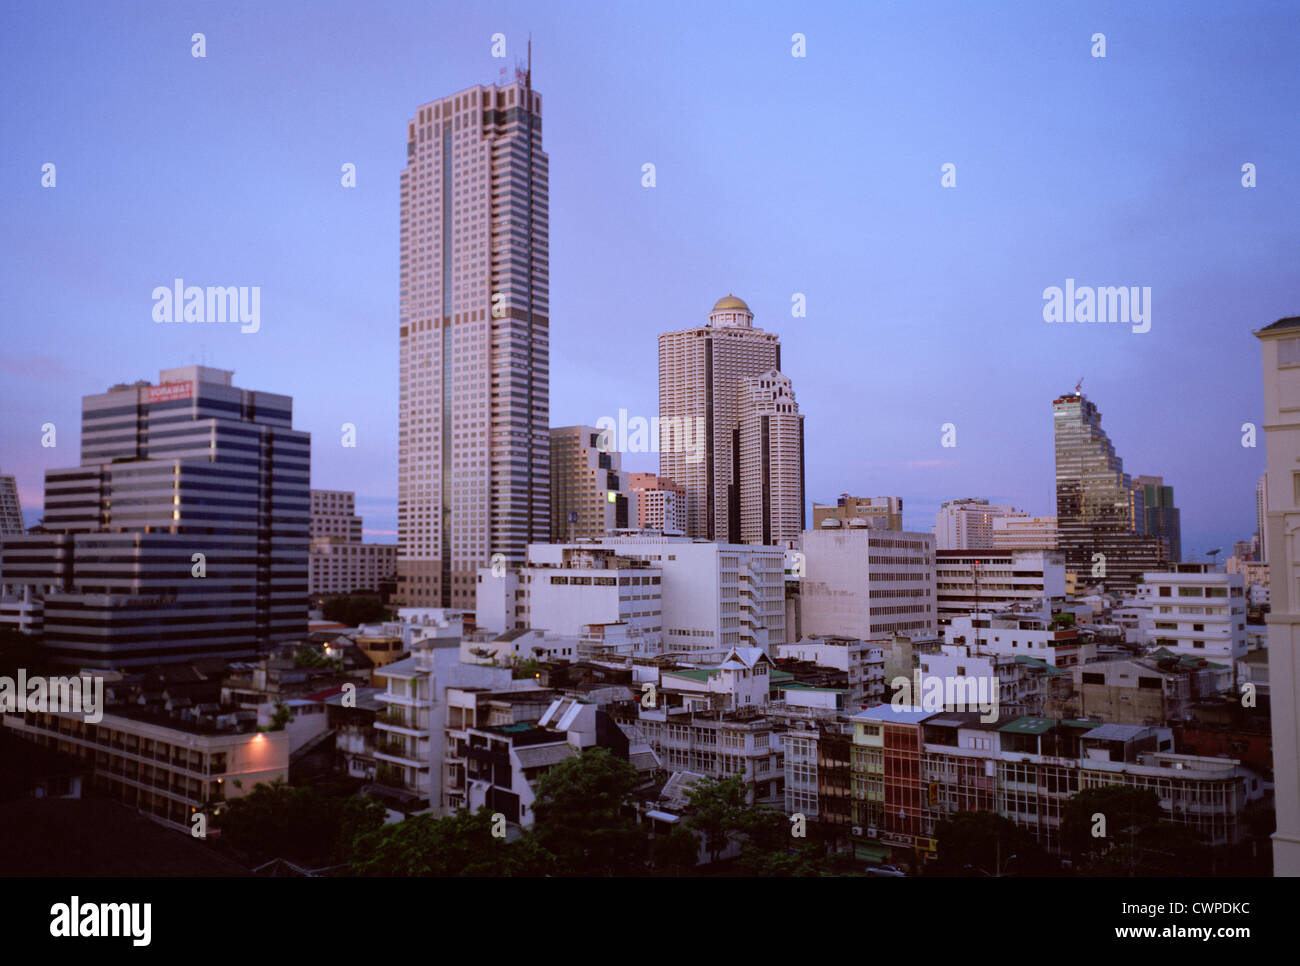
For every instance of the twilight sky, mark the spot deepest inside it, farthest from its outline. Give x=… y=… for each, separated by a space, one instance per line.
x=775 y=175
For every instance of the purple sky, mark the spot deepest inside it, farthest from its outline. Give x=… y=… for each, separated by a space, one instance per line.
x=775 y=175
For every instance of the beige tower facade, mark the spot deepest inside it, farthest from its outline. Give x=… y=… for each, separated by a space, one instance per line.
x=1281 y=345
x=591 y=496
x=474 y=432
x=770 y=467
x=701 y=375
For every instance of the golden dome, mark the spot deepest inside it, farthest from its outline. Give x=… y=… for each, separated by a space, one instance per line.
x=731 y=304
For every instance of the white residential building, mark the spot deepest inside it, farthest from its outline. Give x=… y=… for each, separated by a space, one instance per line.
x=867 y=583
x=862 y=661
x=410 y=749
x=967 y=524
x=1031 y=635
x=1197 y=612
x=702 y=597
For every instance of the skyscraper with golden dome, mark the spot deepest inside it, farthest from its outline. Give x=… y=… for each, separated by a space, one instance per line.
x=731 y=435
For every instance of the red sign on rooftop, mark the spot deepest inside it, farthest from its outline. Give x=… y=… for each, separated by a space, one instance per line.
x=170 y=391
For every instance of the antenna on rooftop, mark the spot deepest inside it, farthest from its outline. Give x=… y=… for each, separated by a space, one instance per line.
x=1078 y=385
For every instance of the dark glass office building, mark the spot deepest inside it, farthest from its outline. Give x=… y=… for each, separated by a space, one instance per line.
x=1100 y=514
x=182 y=534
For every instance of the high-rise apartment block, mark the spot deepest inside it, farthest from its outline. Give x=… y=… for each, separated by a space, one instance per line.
x=11 y=511
x=334 y=515
x=967 y=524
x=660 y=503
x=703 y=393
x=1281 y=421
x=339 y=562
x=591 y=496
x=1099 y=512
x=474 y=430
x=183 y=533
x=1160 y=517
x=885 y=512
x=770 y=460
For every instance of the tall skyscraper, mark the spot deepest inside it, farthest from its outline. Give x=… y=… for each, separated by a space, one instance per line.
x=11 y=511
x=1099 y=513
x=182 y=534
x=702 y=398
x=474 y=431
x=591 y=496
x=1160 y=517
x=1281 y=351
x=767 y=460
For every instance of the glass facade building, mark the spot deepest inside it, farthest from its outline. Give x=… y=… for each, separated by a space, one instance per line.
x=182 y=534
x=1100 y=513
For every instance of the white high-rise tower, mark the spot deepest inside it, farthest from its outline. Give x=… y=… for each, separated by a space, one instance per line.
x=474 y=435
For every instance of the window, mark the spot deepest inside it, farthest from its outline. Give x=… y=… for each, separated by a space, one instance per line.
x=1288 y=352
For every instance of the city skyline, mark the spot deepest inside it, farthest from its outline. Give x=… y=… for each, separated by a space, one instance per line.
x=764 y=221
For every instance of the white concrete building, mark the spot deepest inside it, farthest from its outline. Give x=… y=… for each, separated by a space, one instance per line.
x=412 y=727
x=862 y=661
x=967 y=524
x=1281 y=518
x=702 y=597
x=1197 y=612
x=1031 y=635
x=967 y=580
x=867 y=583
x=1024 y=533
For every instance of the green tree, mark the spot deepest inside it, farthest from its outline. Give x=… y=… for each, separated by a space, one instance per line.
x=583 y=812
x=299 y=824
x=459 y=845
x=770 y=850
x=986 y=844
x=716 y=811
x=677 y=851
x=1138 y=841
